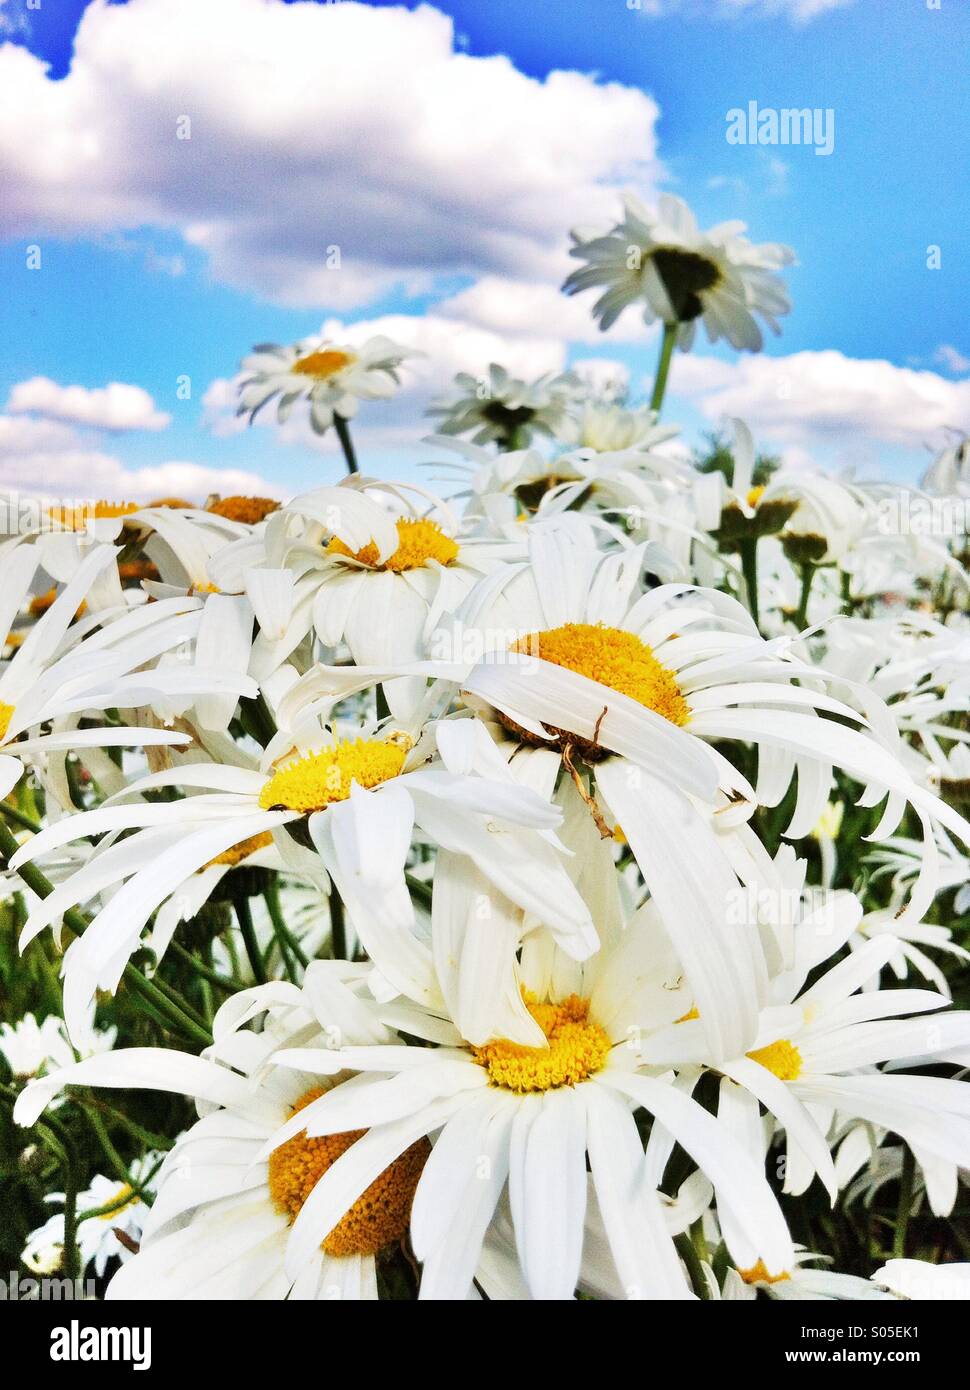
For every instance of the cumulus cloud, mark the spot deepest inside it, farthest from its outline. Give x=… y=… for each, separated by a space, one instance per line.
x=48 y=458
x=826 y=397
x=313 y=127
x=115 y=407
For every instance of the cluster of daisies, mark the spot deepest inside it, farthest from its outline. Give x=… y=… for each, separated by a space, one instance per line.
x=553 y=888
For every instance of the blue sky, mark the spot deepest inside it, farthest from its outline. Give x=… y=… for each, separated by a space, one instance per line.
x=151 y=273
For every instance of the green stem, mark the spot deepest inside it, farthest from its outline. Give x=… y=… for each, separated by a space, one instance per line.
x=688 y=1253
x=749 y=568
x=135 y=1189
x=60 y=1141
x=245 y=918
x=204 y=971
x=346 y=443
x=272 y=896
x=905 y=1203
x=111 y=1153
x=667 y=345
x=20 y=817
x=171 y=1008
x=338 y=927
x=144 y=1136
x=808 y=576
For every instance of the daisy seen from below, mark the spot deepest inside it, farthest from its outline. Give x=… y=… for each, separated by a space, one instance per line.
x=501 y=409
x=661 y=260
x=333 y=378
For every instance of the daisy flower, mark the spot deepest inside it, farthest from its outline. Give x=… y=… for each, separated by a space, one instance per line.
x=105 y=1209
x=220 y=1224
x=353 y=797
x=56 y=676
x=798 y=1283
x=502 y=409
x=527 y=1118
x=662 y=261
x=332 y=378
x=816 y=1052
x=34 y=1049
x=365 y=563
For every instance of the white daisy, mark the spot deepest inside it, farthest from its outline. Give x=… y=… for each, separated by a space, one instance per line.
x=816 y=1051
x=366 y=563
x=662 y=261
x=354 y=798
x=66 y=669
x=528 y=1117
x=504 y=410
x=220 y=1225
x=333 y=378
x=105 y=1208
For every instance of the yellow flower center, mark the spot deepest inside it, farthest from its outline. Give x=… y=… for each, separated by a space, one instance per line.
x=204 y=587
x=379 y=1216
x=249 y=510
x=755 y=495
x=237 y=853
x=118 y=1204
x=6 y=713
x=132 y=571
x=614 y=658
x=41 y=602
x=312 y=782
x=758 y=1274
x=782 y=1058
x=77 y=518
x=323 y=364
x=577 y=1048
x=418 y=541
x=829 y=822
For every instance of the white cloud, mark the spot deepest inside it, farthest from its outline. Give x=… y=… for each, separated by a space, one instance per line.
x=952 y=359
x=825 y=398
x=51 y=459
x=314 y=126
x=798 y=11
x=117 y=406
x=529 y=309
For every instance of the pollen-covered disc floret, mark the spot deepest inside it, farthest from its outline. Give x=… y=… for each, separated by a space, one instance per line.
x=418 y=541
x=758 y=1274
x=379 y=1216
x=77 y=518
x=312 y=782
x=614 y=658
x=577 y=1048
x=324 y=364
x=248 y=510
x=782 y=1058
x=6 y=713
x=235 y=854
